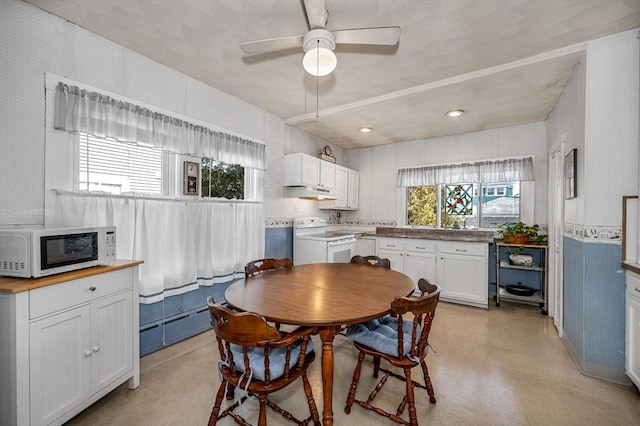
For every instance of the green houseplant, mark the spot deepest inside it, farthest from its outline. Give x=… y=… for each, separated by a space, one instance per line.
x=520 y=233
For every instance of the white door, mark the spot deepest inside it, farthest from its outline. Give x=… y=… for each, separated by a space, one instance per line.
x=632 y=359
x=341 y=189
x=327 y=174
x=420 y=265
x=59 y=364
x=111 y=340
x=354 y=184
x=396 y=258
x=310 y=170
x=463 y=278
x=556 y=231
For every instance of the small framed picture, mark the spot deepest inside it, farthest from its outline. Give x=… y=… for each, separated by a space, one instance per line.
x=570 y=176
x=190 y=174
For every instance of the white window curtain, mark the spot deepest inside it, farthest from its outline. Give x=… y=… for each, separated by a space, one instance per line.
x=505 y=170
x=184 y=243
x=78 y=110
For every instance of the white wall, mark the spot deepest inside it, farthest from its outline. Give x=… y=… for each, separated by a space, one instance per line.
x=378 y=167
x=611 y=127
x=598 y=114
x=567 y=119
x=33 y=42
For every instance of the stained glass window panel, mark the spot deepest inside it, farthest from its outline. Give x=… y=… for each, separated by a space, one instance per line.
x=459 y=199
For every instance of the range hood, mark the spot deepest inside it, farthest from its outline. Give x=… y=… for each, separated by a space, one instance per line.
x=310 y=193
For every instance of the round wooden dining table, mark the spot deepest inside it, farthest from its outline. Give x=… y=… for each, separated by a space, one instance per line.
x=321 y=295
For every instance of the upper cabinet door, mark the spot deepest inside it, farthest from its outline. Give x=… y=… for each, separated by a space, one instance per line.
x=354 y=185
x=301 y=170
x=341 y=190
x=327 y=174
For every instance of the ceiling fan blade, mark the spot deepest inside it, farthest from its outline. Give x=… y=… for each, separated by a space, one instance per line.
x=317 y=14
x=388 y=36
x=271 y=44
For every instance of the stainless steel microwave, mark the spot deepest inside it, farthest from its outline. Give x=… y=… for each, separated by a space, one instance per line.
x=37 y=253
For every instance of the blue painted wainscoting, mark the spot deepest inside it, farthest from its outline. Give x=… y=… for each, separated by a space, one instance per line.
x=180 y=317
x=278 y=242
x=594 y=308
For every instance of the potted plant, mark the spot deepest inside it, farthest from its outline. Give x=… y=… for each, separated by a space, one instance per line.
x=520 y=233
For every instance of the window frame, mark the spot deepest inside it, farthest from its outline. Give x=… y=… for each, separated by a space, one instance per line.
x=480 y=189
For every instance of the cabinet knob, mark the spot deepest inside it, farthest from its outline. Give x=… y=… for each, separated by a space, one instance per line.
x=92 y=288
x=87 y=353
x=96 y=348
x=638 y=289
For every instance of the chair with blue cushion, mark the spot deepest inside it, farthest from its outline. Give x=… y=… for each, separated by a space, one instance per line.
x=372 y=260
x=257 y=359
x=401 y=339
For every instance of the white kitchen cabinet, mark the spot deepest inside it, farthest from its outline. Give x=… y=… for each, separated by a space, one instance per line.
x=632 y=334
x=353 y=190
x=304 y=170
x=459 y=268
x=346 y=190
x=414 y=258
x=73 y=338
x=463 y=272
x=327 y=174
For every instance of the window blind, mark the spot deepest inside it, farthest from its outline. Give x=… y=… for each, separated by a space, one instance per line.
x=117 y=167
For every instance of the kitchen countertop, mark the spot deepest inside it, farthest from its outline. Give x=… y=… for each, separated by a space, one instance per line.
x=16 y=285
x=467 y=235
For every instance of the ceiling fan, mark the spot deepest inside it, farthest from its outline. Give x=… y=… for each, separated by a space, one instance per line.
x=319 y=43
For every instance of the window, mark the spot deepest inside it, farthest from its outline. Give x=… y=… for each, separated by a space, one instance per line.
x=222 y=180
x=117 y=167
x=457 y=205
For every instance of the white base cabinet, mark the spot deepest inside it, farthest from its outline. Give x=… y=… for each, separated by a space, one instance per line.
x=463 y=272
x=632 y=337
x=414 y=258
x=71 y=343
x=459 y=268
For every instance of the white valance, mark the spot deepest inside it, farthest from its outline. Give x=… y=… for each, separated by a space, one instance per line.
x=78 y=110
x=505 y=170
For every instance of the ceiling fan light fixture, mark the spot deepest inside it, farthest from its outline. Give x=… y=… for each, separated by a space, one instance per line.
x=455 y=113
x=319 y=59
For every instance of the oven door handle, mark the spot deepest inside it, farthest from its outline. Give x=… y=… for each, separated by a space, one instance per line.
x=341 y=242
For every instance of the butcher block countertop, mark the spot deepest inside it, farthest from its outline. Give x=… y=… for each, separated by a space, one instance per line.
x=16 y=285
x=467 y=235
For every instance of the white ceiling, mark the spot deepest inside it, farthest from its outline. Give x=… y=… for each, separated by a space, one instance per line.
x=504 y=62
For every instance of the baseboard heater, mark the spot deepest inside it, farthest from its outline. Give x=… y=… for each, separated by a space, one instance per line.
x=176 y=328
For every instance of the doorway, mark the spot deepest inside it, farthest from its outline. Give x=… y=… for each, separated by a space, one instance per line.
x=556 y=231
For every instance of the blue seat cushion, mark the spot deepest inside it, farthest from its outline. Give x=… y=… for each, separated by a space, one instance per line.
x=382 y=335
x=277 y=358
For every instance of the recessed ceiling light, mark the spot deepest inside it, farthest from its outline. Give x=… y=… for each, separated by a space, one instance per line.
x=455 y=113
x=365 y=129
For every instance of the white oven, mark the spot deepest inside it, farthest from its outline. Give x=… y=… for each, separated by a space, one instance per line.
x=313 y=244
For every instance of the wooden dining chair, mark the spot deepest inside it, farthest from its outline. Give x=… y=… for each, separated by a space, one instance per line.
x=401 y=339
x=372 y=260
x=264 y=265
x=256 y=358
